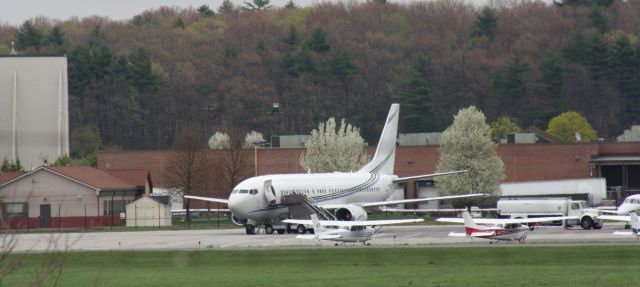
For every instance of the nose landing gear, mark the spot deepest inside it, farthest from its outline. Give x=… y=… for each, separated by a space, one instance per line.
x=250 y=229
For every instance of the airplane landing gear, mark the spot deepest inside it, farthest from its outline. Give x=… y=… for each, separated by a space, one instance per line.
x=250 y=229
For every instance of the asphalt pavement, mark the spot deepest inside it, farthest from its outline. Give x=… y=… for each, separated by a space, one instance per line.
x=418 y=235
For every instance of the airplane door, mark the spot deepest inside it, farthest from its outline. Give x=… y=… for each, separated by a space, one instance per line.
x=269 y=192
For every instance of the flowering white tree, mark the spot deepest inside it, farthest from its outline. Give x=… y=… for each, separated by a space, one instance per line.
x=219 y=140
x=334 y=149
x=467 y=144
x=252 y=139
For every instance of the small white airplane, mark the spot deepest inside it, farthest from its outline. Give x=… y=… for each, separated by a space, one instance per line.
x=498 y=229
x=345 y=231
x=631 y=218
x=631 y=203
x=347 y=195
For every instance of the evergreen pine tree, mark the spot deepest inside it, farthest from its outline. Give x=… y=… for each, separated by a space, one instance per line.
x=291 y=5
x=485 y=25
x=226 y=7
x=318 y=41
x=257 y=5
x=56 y=36
x=29 y=36
x=418 y=114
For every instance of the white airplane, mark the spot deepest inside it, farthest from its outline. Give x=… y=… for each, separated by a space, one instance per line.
x=258 y=200
x=498 y=229
x=631 y=218
x=631 y=203
x=345 y=231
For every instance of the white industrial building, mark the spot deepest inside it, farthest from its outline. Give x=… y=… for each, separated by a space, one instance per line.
x=34 y=118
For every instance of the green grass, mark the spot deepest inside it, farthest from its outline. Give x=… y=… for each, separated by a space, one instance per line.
x=486 y=266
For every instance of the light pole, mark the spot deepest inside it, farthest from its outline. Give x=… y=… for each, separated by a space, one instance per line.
x=275 y=110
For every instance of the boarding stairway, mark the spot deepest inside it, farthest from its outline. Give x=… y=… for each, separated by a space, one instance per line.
x=302 y=206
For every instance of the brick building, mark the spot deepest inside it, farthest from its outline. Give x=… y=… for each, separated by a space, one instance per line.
x=619 y=163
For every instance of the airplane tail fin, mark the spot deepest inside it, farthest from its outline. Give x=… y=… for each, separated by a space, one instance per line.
x=468 y=220
x=384 y=158
x=317 y=227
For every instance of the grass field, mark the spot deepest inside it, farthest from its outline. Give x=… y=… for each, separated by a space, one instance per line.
x=486 y=266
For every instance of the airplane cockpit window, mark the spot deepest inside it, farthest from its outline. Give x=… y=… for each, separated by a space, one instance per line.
x=244 y=191
x=512 y=226
x=253 y=191
x=234 y=191
x=356 y=228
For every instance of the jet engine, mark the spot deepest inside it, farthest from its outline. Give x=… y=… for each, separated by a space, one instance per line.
x=350 y=213
x=238 y=221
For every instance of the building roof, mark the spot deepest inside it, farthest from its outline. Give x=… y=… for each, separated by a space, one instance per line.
x=545 y=136
x=8 y=176
x=616 y=159
x=92 y=177
x=137 y=177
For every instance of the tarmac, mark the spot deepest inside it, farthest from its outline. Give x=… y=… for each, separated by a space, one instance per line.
x=234 y=239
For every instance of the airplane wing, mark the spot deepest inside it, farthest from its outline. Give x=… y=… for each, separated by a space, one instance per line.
x=483 y=233
x=321 y=236
x=386 y=209
x=473 y=234
x=506 y=220
x=341 y=223
x=626 y=218
x=601 y=210
x=211 y=199
x=425 y=176
x=392 y=202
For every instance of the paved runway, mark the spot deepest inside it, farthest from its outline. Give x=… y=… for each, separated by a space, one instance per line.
x=236 y=239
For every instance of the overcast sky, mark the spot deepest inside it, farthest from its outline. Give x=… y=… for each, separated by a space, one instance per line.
x=15 y=12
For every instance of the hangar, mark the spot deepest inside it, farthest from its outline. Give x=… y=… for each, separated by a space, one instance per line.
x=34 y=117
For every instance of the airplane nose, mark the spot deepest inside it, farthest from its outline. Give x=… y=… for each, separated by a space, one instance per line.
x=237 y=206
x=233 y=203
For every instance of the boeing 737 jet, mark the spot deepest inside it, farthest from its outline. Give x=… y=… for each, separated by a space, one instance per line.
x=258 y=200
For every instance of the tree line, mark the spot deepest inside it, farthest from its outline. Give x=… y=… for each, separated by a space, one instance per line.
x=134 y=84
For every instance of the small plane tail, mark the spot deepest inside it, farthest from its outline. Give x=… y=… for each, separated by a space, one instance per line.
x=384 y=158
x=468 y=220
x=317 y=227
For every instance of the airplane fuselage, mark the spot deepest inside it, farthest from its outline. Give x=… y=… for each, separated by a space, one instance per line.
x=352 y=234
x=513 y=233
x=631 y=203
x=248 y=200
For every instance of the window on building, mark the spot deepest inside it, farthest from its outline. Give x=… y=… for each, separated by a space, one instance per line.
x=14 y=209
x=115 y=207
